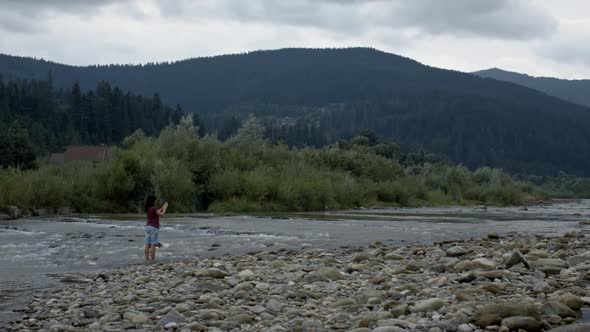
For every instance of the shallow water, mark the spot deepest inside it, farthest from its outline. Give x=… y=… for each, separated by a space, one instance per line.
x=35 y=252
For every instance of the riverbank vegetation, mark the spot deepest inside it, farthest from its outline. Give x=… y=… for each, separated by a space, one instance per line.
x=248 y=173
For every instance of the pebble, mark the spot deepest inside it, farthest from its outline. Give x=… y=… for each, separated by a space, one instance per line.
x=476 y=285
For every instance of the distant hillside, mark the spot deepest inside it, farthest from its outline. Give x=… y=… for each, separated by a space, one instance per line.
x=54 y=119
x=317 y=96
x=575 y=91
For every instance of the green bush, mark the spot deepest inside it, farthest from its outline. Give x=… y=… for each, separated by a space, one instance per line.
x=247 y=173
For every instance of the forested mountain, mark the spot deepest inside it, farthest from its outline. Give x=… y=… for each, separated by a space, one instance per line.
x=316 y=96
x=55 y=118
x=576 y=91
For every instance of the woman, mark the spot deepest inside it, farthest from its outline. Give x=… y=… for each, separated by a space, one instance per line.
x=152 y=226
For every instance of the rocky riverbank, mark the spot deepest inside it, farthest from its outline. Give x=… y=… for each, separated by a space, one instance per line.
x=513 y=283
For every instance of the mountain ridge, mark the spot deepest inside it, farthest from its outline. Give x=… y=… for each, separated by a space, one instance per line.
x=317 y=96
x=572 y=90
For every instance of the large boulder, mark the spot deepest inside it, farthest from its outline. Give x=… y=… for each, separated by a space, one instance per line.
x=455 y=251
x=573 y=302
x=494 y=313
x=136 y=318
x=515 y=258
x=552 y=262
x=476 y=264
x=330 y=273
x=557 y=309
x=517 y=323
x=213 y=273
x=173 y=316
x=427 y=305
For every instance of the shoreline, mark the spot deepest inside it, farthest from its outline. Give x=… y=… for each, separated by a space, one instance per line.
x=277 y=214
x=532 y=281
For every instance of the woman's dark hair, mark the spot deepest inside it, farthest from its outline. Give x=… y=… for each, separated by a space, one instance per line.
x=150 y=202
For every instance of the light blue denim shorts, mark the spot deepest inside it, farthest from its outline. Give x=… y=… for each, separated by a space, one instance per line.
x=151 y=235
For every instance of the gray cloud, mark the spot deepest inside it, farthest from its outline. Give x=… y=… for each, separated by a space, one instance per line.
x=567 y=51
x=503 y=19
x=535 y=36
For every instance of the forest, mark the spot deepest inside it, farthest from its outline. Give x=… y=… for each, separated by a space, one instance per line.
x=248 y=173
x=315 y=97
x=54 y=118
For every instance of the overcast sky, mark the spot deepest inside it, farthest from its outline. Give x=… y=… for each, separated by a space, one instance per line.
x=538 y=37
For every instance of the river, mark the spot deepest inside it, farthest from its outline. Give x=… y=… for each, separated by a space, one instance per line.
x=35 y=253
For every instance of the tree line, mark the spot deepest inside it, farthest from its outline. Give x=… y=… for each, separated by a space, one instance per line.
x=36 y=118
x=248 y=173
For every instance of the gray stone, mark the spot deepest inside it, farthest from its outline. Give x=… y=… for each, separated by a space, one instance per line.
x=493 y=313
x=240 y=318
x=515 y=258
x=173 y=316
x=523 y=323
x=398 y=310
x=274 y=305
x=557 y=308
x=552 y=262
x=572 y=301
x=246 y=274
x=427 y=305
x=476 y=264
x=214 y=273
x=464 y=328
x=540 y=286
x=389 y=329
x=330 y=273
x=455 y=251
x=13 y=212
x=136 y=318
x=493 y=236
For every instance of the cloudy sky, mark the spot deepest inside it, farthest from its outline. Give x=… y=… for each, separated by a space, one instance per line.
x=539 y=37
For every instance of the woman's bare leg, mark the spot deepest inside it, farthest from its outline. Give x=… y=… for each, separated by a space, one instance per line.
x=147 y=252
x=153 y=252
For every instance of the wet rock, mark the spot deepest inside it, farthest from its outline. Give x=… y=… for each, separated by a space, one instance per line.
x=558 y=309
x=522 y=323
x=72 y=278
x=573 y=302
x=493 y=236
x=492 y=313
x=516 y=258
